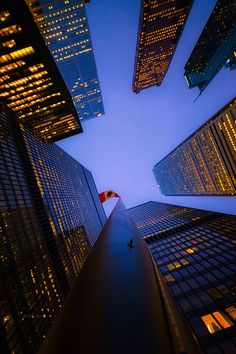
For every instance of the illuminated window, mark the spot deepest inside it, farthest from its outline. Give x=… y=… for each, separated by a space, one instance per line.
x=231 y=311
x=5 y=15
x=7 y=31
x=170 y=266
x=169 y=278
x=211 y=324
x=191 y=250
x=11 y=66
x=184 y=261
x=216 y=321
x=224 y=321
x=177 y=264
x=5 y=58
x=22 y=52
x=9 y=44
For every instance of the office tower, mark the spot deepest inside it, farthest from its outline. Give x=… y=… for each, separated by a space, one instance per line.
x=64 y=26
x=194 y=251
x=214 y=47
x=160 y=27
x=204 y=163
x=50 y=219
x=30 y=80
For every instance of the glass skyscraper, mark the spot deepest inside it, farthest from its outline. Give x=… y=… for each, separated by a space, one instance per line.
x=204 y=163
x=50 y=219
x=64 y=25
x=195 y=253
x=30 y=80
x=215 y=46
x=160 y=27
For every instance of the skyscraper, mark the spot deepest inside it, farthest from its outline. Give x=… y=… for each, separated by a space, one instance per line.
x=204 y=163
x=30 y=80
x=50 y=219
x=160 y=27
x=64 y=26
x=195 y=251
x=214 y=47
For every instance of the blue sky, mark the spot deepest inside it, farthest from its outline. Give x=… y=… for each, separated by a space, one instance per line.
x=137 y=130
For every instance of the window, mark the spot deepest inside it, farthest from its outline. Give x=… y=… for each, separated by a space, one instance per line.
x=231 y=311
x=170 y=266
x=169 y=278
x=216 y=321
x=211 y=324
x=224 y=321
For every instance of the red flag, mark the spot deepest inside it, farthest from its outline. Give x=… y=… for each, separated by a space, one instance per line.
x=106 y=195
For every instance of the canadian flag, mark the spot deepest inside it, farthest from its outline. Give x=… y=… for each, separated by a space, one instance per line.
x=107 y=195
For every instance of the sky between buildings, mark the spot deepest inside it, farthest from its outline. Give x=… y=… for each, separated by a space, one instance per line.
x=138 y=130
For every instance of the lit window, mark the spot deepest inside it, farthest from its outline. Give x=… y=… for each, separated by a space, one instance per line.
x=5 y=15
x=223 y=319
x=212 y=325
x=216 y=321
x=22 y=52
x=169 y=278
x=5 y=58
x=7 y=31
x=191 y=250
x=170 y=266
x=231 y=311
x=177 y=264
x=9 y=44
x=184 y=261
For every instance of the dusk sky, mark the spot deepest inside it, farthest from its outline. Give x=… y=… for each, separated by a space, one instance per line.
x=138 y=130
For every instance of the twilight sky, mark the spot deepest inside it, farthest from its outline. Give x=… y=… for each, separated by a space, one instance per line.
x=137 y=130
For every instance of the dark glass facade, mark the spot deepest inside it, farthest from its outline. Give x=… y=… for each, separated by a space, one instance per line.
x=49 y=223
x=64 y=25
x=160 y=27
x=68 y=201
x=205 y=163
x=30 y=80
x=214 y=47
x=195 y=252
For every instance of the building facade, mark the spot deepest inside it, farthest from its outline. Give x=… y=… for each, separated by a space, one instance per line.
x=160 y=27
x=195 y=252
x=204 y=163
x=50 y=219
x=64 y=26
x=214 y=47
x=30 y=80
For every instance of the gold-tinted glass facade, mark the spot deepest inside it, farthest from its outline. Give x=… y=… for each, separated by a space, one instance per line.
x=30 y=81
x=195 y=252
x=160 y=26
x=205 y=163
